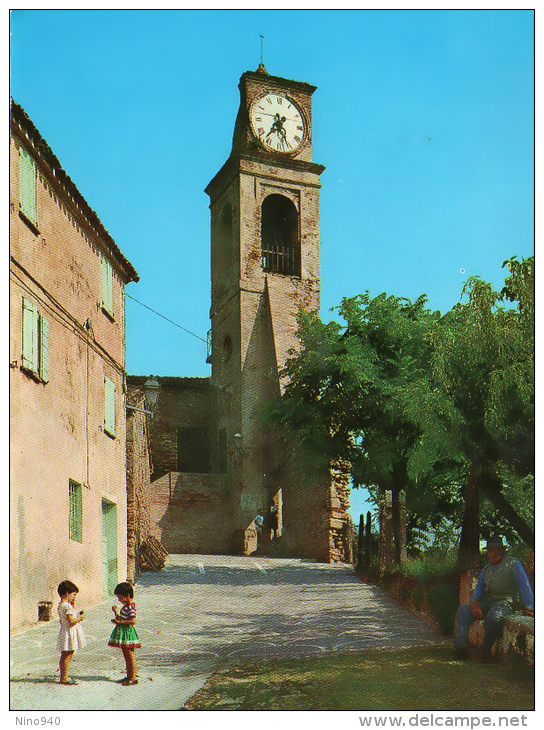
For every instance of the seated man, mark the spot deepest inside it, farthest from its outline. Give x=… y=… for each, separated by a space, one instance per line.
x=501 y=584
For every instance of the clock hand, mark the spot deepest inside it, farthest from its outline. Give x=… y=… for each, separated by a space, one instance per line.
x=276 y=125
x=268 y=114
x=283 y=138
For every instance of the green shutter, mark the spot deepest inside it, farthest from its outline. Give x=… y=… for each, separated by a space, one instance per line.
x=109 y=547
x=27 y=185
x=109 y=406
x=44 y=349
x=107 y=286
x=30 y=336
x=75 y=526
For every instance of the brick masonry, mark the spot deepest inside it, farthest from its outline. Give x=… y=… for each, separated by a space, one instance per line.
x=57 y=427
x=188 y=511
x=241 y=464
x=138 y=479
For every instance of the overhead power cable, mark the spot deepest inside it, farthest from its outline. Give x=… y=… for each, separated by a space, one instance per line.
x=198 y=337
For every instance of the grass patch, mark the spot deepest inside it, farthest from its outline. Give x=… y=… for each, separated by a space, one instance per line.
x=422 y=679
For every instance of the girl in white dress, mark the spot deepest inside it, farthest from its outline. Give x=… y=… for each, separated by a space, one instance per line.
x=71 y=636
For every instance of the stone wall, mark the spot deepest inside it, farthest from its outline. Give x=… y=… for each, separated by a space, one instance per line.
x=138 y=478
x=518 y=637
x=342 y=548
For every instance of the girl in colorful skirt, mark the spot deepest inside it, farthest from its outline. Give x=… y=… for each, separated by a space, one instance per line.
x=124 y=634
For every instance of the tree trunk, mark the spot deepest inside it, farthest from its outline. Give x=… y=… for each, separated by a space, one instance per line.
x=360 y=540
x=491 y=488
x=469 y=547
x=402 y=527
x=398 y=526
x=386 y=551
x=368 y=539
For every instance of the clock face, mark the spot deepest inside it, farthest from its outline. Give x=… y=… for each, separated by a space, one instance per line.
x=277 y=123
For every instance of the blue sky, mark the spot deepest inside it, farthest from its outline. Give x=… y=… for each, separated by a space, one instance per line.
x=423 y=119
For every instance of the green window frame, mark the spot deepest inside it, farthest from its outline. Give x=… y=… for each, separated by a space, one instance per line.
x=27 y=186
x=109 y=407
x=75 y=497
x=35 y=350
x=107 y=286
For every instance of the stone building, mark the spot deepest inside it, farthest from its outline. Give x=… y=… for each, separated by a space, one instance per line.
x=216 y=462
x=67 y=379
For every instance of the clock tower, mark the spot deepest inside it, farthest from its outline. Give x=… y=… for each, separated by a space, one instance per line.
x=264 y=205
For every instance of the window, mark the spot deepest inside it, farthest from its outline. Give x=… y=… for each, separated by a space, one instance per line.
x=109 y=407
x=193 y=451
x=76 y=511
x=107 y=286
x=27 y=186
x=35 y=354
x=280 y=243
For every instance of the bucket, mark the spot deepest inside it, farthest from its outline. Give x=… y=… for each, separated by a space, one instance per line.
x=44 y=610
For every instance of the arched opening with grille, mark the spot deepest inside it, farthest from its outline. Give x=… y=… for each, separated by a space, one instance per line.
x=280 y=240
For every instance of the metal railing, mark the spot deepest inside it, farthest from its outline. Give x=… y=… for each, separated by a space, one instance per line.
x=281 y=260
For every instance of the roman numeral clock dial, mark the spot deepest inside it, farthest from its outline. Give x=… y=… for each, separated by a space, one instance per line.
x=277 y=123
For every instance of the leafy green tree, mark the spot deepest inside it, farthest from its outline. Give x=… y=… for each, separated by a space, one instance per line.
x=441 y=407
x=350 y=392
x=483 y=360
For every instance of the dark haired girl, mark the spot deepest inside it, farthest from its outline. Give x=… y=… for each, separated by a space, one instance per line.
x=71 y=636
x=124 y=634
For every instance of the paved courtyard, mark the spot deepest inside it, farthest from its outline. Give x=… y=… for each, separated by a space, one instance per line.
x=201 y=611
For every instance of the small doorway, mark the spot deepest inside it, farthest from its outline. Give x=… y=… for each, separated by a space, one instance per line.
x=109 y=546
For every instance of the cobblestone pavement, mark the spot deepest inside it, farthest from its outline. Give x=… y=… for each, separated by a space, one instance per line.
x=203 y=610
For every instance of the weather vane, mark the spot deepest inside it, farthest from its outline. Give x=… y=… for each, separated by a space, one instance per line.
x=262 y=41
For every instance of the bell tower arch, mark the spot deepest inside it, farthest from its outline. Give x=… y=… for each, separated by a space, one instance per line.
x=264 y=205
x=280 y=236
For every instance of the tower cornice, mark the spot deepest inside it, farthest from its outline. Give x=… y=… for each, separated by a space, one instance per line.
x=268 y=81
x=234 y=165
